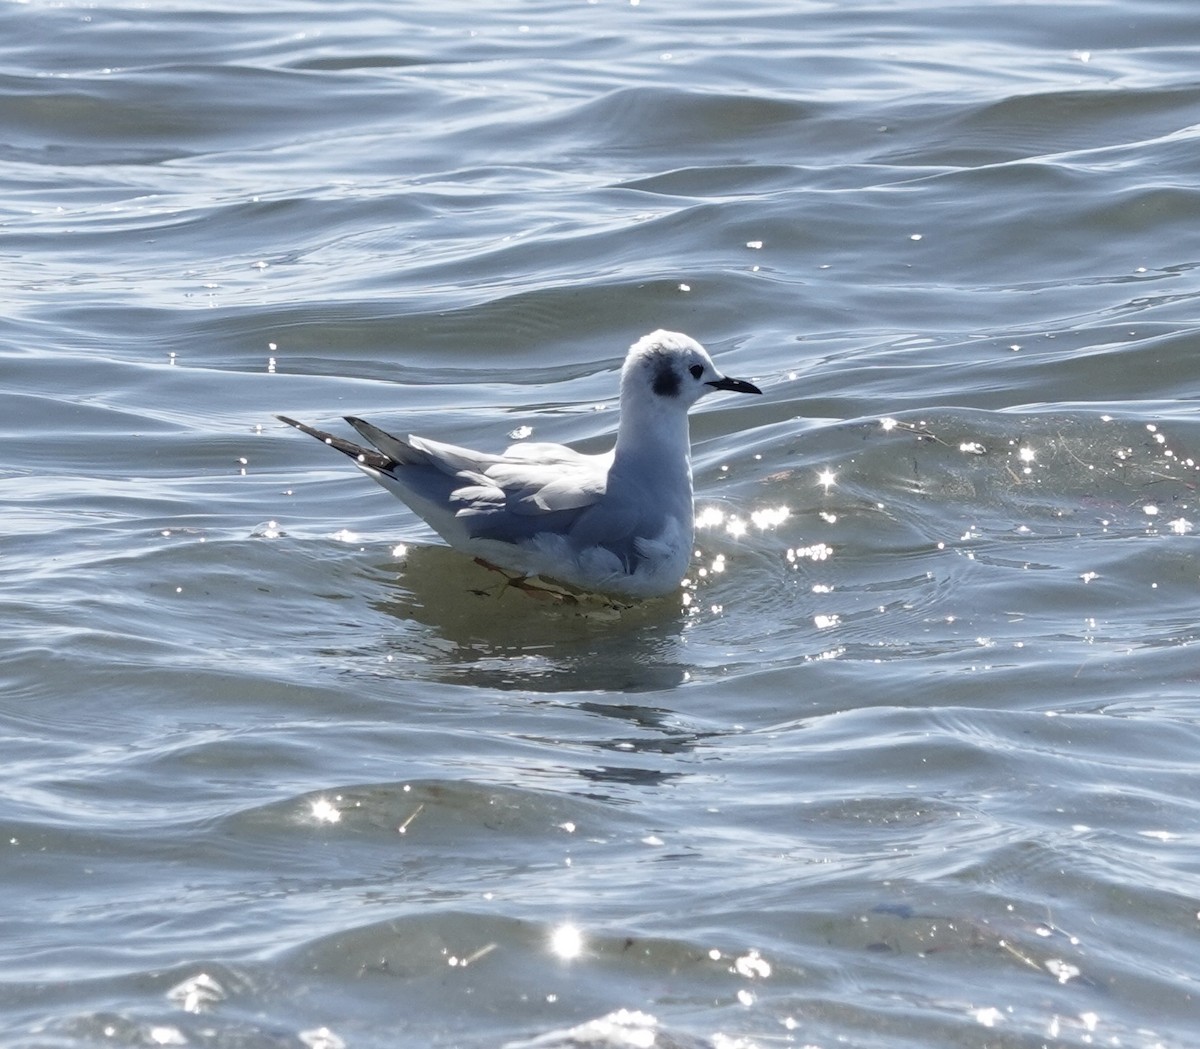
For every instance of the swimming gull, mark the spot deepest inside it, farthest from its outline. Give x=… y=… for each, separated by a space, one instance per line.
x=619 y=523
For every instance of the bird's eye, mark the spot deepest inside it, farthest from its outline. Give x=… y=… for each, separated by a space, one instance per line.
x=697 y=370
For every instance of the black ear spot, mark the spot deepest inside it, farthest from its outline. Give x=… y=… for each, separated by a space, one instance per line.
x=666 y=380
x=697 y=370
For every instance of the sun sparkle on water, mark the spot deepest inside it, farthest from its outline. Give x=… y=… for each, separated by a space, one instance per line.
x=324 y=811
x=566 y=941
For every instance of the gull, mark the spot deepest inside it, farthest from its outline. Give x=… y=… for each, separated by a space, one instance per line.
x=619 y=523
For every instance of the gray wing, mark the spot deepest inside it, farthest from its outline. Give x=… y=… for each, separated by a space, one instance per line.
x=511 y=498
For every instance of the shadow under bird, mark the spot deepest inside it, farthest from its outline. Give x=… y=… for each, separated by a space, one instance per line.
x=619 y=523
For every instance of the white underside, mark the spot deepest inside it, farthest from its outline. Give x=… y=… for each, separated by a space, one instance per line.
x=661 y=566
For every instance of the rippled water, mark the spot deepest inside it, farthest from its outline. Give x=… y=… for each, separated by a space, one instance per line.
x=912 y=760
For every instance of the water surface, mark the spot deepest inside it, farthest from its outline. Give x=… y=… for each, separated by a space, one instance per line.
x=910 y=761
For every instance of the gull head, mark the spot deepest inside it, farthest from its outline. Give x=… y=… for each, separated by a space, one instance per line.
x=668 y=370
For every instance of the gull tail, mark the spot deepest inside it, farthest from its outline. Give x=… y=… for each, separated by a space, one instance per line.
x=417 y=477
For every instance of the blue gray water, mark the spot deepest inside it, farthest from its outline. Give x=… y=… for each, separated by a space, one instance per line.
x=911 y=762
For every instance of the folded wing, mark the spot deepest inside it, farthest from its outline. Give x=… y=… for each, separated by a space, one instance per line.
x=507 y=498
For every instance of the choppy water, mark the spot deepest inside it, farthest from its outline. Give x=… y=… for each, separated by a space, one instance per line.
x=913 y=762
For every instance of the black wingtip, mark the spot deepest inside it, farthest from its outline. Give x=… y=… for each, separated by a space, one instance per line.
x=364 y=456
x=312 y=431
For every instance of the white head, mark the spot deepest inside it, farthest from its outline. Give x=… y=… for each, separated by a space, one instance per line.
x=667 y=370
